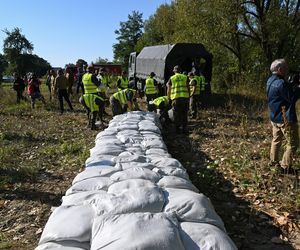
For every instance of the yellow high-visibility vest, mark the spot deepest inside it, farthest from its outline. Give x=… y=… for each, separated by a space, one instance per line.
x=197 y=91
x=179 y=88
x=88 y=85
x=121 y=95
x=124 y=83
x=90 y=101
x=157 y=101
x=150 y=87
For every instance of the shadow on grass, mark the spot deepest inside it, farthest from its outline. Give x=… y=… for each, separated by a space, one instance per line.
x=27 y=137
x=247 y=227
x=44 y=197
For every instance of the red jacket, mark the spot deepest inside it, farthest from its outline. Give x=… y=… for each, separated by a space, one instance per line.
x=33 y=86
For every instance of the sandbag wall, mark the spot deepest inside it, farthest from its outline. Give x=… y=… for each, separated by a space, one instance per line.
x=133 y=195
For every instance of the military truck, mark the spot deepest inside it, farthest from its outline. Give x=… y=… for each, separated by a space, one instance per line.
x=161 y=60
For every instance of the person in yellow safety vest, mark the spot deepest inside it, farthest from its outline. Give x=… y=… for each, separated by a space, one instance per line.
x=179 y=92
x=151 y=89
x=163 y=104
x=122 y=100
x=122 y=82
x=90 y=81
x=201 y=79
x=194 y=84
x=94 y=106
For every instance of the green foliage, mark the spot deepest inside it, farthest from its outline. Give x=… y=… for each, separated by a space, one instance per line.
x=3 y=65
x=81 y=63
x=101 y=60
x=18 y=52
x=243 y=36
x=128 y=36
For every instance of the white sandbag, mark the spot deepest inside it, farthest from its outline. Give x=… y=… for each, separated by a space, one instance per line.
x=72 y=223
x=166 y=162
x=148 y=126
x=94 y=172
x=108 y=149
x=191 y=207
x=126 y=126
x=158 y=151
x=204 y=236
x=64 y=245
x=123 y=186
x=130 y=157
x=103 y=161
x=150 y=135
x=135 y=150
x=136 y=231
x=97 y=183
x=107 y=132
x=127 y=138
x=176 y=182
x=154 y=143
x=126 y=165
x=80 y=198
x=108 y=140
x=135 y=173
x=172 y=171
x=143 y=199
x=128 y=132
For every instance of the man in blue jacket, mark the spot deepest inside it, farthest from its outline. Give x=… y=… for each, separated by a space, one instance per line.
x=281 y=101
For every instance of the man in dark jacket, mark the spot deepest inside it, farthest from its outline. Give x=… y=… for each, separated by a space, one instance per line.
x=19 y=87
x=281 y=101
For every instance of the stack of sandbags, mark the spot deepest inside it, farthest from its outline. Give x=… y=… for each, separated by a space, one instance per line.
x=133 y=195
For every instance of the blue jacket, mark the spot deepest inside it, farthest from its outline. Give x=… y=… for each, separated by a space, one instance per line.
x=280 y=94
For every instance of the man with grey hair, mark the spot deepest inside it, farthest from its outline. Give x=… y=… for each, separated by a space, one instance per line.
x=281 y=101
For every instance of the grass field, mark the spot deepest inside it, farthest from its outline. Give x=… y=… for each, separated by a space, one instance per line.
x=226 y=155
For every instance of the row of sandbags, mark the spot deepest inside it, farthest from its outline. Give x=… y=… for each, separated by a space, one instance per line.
x=133 y=195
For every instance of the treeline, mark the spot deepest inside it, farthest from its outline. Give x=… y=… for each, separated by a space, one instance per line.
x=18 y=57
x=243 y=36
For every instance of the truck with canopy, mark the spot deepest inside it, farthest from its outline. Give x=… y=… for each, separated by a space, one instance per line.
x=161 y=60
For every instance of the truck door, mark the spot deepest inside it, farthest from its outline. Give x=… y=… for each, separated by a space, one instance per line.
x=131 y=65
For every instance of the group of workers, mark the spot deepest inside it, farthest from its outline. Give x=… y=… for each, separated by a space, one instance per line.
x=183 y=94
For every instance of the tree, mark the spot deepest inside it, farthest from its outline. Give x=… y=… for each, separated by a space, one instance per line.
x=3 y=66
x=82 y=64
x=15 y=45
x=101 y=60
x=159 y=28
x=128 y=36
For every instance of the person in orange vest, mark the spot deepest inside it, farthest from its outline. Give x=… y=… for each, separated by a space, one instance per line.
x=179 y=92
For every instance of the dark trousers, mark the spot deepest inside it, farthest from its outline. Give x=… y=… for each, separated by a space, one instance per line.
x=92 y=116
x=151 y=97
x=80 y=85
x=164 y=114
x=194 y=104
x=63 y=94
x=20 y=95
x=116 y=106
x=36 y=96
x=180 y=109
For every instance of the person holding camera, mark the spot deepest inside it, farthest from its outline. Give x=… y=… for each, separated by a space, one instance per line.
x=282 y=111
